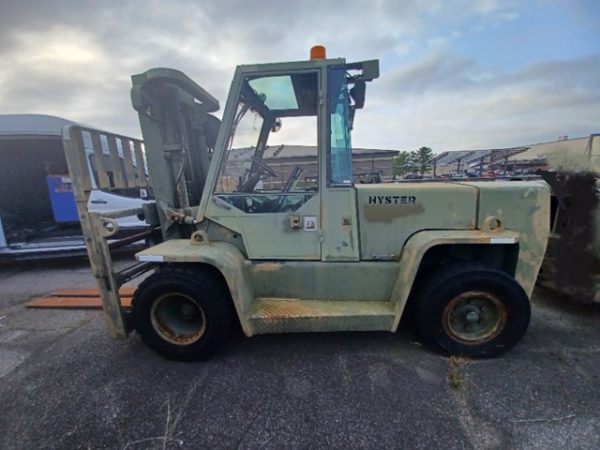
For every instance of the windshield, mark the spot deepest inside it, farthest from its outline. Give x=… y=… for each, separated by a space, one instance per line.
x=272 y=144
x=277 y=93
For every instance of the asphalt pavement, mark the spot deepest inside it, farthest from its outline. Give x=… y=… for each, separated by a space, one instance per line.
x=64 y=383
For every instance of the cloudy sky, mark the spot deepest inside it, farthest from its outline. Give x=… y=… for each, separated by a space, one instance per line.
x=459 y=74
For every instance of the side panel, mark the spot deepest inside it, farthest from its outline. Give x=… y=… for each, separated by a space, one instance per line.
x=349 y=281
x=340 y=227
x=523 y=207
x=390 y=213
x=271 y=235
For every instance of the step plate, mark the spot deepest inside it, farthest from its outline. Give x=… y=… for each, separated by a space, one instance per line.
x=294 y=316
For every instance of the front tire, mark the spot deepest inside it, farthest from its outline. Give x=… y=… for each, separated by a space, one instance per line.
x=182 y=313
x=471 y=310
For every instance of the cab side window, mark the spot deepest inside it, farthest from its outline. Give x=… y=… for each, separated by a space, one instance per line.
x=340 y=149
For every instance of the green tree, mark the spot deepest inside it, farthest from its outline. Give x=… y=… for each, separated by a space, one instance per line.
x=422 y=160
x=402 y=163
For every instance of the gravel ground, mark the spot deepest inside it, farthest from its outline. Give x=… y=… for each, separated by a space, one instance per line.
x=64 y=383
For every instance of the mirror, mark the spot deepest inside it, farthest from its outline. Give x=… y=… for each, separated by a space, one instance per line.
x=276 y=125
x=358 y=93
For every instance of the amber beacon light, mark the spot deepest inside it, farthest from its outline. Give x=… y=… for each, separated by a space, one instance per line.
x=317 y=52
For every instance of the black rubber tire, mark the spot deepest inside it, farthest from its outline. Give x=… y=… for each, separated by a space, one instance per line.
x=437 y=290
x=209 y=293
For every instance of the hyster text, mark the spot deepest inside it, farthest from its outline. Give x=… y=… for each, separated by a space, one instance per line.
x=392 y=199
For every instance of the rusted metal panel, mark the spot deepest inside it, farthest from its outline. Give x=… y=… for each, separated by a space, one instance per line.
x=71 y=303
x=274 y=315
x=575 y=237
x=87 y=292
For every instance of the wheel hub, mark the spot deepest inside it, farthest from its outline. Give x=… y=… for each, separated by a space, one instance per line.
x=474 y=317
x=178 y=318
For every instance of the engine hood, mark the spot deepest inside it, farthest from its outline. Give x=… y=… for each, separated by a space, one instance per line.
x=390 y=213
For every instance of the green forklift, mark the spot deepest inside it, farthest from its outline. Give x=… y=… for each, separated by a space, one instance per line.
x=274 y=246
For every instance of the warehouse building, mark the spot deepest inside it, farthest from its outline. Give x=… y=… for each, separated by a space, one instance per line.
x=472 y=162
x=520 y=160
x=368 y=164
x=570 y=154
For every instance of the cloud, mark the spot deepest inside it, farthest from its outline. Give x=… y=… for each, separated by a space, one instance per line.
x=447 y=102
x=436 y=71
x=74 y=59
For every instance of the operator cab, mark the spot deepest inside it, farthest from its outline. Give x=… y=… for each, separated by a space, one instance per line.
x=283 y=151
x=276 y=124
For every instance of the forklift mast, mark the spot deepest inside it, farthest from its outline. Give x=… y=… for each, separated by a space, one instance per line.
x=179 y=136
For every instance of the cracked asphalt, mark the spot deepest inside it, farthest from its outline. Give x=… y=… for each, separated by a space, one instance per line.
x=64 y=383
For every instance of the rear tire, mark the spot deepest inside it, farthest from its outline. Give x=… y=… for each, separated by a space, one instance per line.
x=182 y=313
x=471 y=310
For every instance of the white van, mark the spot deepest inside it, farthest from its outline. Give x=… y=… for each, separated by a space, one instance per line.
x=38 y=217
